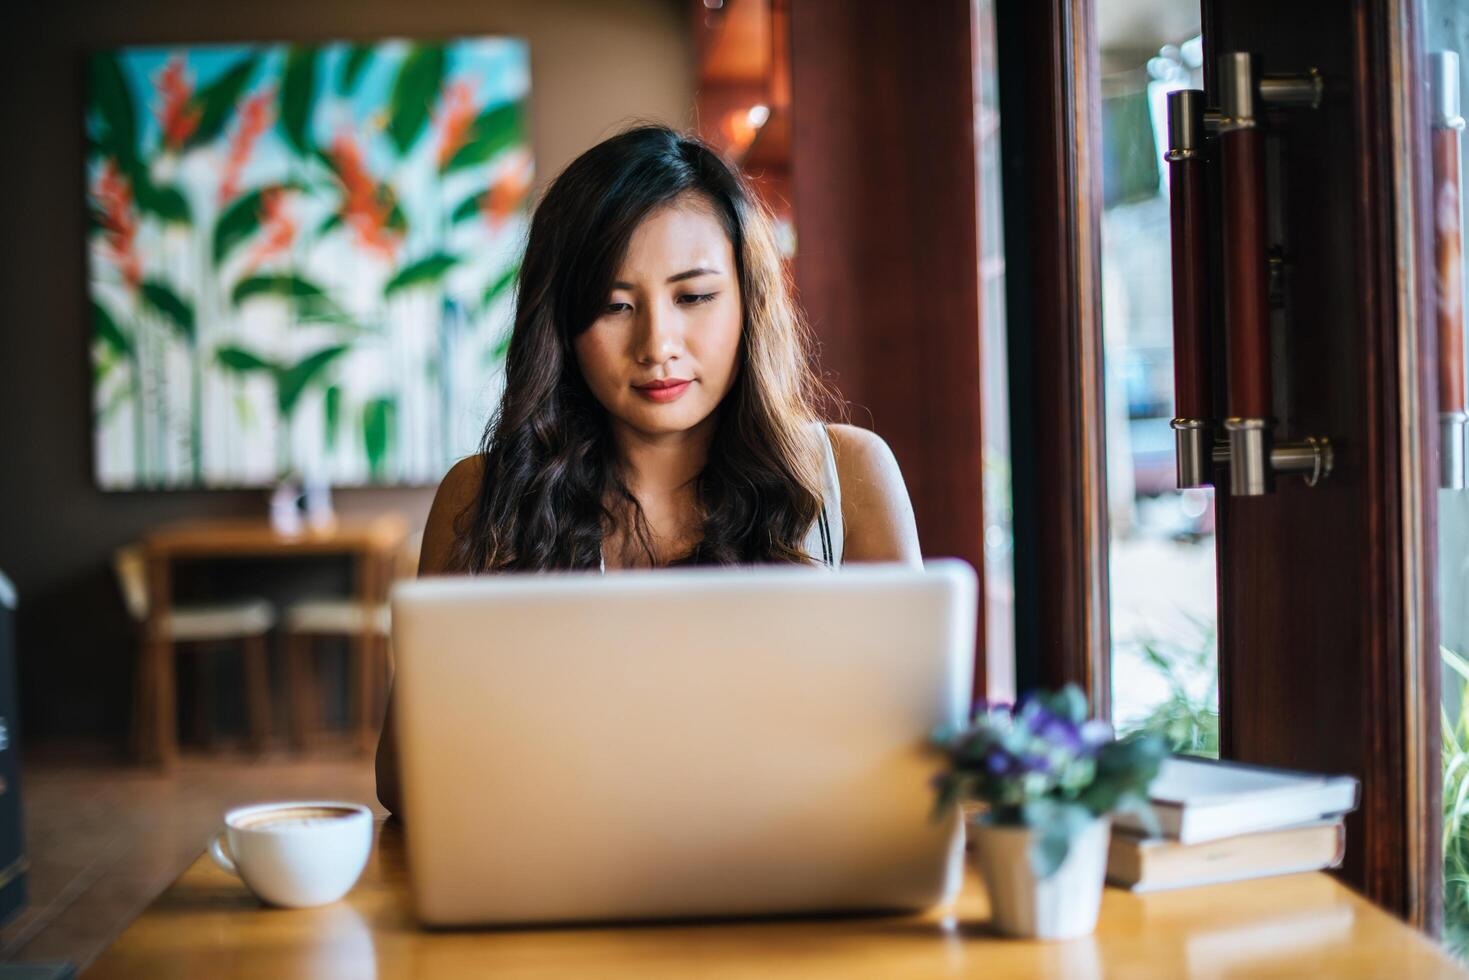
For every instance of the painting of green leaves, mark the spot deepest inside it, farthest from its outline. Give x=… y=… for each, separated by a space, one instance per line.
x=302 y=258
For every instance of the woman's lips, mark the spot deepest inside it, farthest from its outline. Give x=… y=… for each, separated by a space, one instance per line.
x=663 y=391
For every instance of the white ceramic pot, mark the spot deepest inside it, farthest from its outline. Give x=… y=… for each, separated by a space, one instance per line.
x=1061 y=906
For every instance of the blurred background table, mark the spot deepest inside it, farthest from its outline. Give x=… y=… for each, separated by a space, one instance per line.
x=207 y=924
x=373 y=543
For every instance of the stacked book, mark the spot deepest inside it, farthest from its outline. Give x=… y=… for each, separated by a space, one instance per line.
x=1224 y=821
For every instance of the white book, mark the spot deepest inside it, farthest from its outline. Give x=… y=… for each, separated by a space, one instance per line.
x=1197 y=800
x=1155 y=864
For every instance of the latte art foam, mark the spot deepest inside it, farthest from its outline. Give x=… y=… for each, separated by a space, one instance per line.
x=294 y=819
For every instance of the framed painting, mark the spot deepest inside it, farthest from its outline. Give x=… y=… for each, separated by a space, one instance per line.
x=302 y=258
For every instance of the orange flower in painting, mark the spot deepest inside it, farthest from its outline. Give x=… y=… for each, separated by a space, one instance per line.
x=278 y=230
x=178 y=117
x=255 y=118
x=506 y=194
x=455 y=119
x=366 y=206
x=119 y=222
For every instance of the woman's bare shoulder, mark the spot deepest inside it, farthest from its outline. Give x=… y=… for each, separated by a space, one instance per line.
x=876 y=511
x=854 y=441
x=456 y=494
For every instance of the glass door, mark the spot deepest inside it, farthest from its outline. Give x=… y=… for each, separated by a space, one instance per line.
x=1164 y=671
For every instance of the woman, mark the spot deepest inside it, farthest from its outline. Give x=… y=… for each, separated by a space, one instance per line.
x=659 y=405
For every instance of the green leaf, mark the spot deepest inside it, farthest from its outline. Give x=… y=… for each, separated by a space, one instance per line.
x=467 y=208
x=332 y=223
x=423 y=272
x=1140 y=805
x=1055 y=826
x=96 y=217
x=356 y=62
x=105 y=329
x=161 y=298
x=245 y=362
x=297 y=95
x=377 y=432
x=505 y=281
x=119 y=398
x=1068 y=703
x=293 y=381
x=496 y=130
x=238 y=222
x=1048 y=851
x=1125 y=769
x=414 y=92
x=216 y=101
x=108 y=89
x=166 y=202
x=332 y=410
x=325 y=159
x=396 y=221
x=95 y=148
x=305 y=296
x=501 y=350
x=1455 y=662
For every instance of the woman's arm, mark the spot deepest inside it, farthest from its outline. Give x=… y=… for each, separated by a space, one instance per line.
x=876 y=513
x=456 y=493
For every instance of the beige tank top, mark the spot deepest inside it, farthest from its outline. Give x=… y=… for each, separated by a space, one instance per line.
x=824 y=540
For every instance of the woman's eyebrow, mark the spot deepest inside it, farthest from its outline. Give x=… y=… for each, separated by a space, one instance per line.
x=678 y=277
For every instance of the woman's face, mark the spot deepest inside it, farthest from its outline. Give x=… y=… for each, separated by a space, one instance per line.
x=665 y=350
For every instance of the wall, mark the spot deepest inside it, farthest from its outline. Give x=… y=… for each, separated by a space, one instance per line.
x=882 y=137
x=596 y=65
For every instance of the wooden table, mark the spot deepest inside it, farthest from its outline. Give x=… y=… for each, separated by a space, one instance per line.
x=372 y=542
x=207 y=925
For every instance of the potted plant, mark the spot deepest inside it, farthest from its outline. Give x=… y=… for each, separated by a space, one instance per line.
x=1048 y=780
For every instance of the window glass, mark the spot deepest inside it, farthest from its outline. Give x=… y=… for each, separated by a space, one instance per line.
x=1162 y=583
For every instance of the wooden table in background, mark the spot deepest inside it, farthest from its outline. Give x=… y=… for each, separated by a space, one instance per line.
x=1307 y=925
x=373 y=544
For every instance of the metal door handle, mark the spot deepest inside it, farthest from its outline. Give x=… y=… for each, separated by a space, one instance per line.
x=1448 y=252
x=1193 y=400
x=1251 y=454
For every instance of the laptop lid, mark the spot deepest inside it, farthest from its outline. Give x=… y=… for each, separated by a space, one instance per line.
x=678 y=742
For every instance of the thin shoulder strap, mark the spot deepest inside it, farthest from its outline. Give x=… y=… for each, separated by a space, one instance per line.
x=825 y=527
x=832 y=529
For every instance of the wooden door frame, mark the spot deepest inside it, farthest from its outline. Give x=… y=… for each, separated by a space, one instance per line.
x=1405 y=871
x=1050 y=108
x=1327 y=626
x=1407 y=278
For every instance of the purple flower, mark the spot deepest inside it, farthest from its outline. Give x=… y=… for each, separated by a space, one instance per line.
x=1061 y=733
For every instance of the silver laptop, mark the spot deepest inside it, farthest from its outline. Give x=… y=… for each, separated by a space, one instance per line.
x=689 y=743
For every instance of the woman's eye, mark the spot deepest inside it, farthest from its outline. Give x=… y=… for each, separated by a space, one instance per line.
x=616 y=307
x=695 y=298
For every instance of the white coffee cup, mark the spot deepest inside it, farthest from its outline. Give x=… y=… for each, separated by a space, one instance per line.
x=295 y=854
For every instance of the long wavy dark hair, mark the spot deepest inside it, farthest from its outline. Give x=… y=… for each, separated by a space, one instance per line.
x=552 y=483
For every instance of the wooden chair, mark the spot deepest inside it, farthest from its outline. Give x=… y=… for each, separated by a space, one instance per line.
x=367 y=626
x=201 y=626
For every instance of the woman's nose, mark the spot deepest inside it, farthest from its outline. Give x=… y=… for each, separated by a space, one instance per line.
x=659 y=334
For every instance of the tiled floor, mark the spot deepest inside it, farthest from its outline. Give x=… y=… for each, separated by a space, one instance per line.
x=104 y=839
